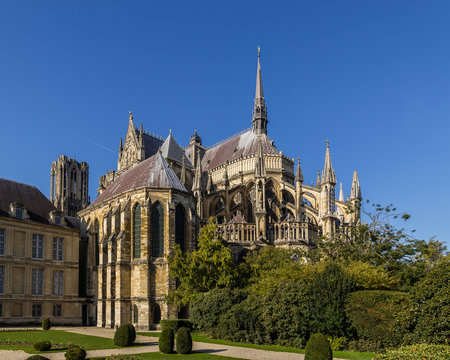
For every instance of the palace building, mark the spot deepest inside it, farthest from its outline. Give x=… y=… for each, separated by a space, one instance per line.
x=161 y=194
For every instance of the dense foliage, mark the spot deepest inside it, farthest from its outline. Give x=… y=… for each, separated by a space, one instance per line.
x=318 y=348
x=42 y=345
x=37 y=357
x=166 y=341
x=426 y=316
x=175 y=324
x=124 y=335
x=372 y=314
x=415 y=352
x=75 y=354
x=46 y=325
x=184 y=341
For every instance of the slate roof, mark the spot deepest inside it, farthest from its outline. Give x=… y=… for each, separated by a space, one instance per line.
x=171 y=150
x=38 y=206
x=242 y=145
x=152 y=172
x=151 y=144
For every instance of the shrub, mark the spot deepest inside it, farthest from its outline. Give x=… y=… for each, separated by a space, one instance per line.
x=166 y=341
x=175 y=324
x=133 y=332
x=414 y=352
x=75 y=354
x=373 y=313
x=42 y=345
x=124 y=335
x=318 y=348
x=46 y=324
x=337 y=344
x=184 y=341
x=37 y=357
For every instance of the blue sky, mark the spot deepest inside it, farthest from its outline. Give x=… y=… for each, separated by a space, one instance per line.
x=372 y=77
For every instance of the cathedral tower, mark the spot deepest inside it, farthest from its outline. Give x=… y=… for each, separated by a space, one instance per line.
x=259 y=119
x=69 y=190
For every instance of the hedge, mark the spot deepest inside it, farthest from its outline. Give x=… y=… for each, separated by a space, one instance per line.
x=175 y=324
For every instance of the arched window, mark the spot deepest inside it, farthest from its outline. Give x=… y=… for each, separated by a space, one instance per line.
x=96 y=239
x=135 y=314
x=156 y=314
x=137 y=232
x=179 y=226
x=157 y=220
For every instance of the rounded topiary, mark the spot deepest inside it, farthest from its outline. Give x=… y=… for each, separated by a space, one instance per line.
x=133 y=332
x=37 y=357
x=75 y=354
x=318 y=348
x=42 y=345
x=124 y=335
x=184 y=341
x=166 y=341
x=46 y=325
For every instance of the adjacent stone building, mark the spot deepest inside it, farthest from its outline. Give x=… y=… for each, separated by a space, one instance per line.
x=39 y=259
x=162 y=193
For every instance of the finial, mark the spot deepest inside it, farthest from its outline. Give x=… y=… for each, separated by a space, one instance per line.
x=328 y=143
x=259 y=51
x=131 y=115
x=298 y=159
x=170 y=131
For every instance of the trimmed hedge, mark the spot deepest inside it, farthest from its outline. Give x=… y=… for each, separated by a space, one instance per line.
x=414 y=352
x=75 y=354
x=373 y=312
x=46 y=324
x=175 y=324
x=42 y=345
x=37 y=357
x=125 y=335
x=166 y=341
x=318 y=348
x=184 y=341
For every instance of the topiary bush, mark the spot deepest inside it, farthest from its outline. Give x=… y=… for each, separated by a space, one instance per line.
x=42 y=345
x=184 y=341
x=46 y=324
x=37 y=357
x=124 y=335
x=175 y=324
x=166 y=341
x=75 y=354
x=318 y=348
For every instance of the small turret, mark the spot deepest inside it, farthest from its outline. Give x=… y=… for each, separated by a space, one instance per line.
x=341 y=193
x=328 y=175
x=355 y=193
x=318 y=179
x=209 y=185
x=198 y=174
x=299 y=174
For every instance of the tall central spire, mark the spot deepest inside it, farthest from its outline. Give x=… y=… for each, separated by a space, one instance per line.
x=259 y=109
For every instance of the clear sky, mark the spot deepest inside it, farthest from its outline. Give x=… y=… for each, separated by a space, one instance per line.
x=371 y=76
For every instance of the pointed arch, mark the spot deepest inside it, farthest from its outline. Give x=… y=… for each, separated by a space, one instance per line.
x=137 y=231
x=157 y=221
x=180 y=230
x=135 y=314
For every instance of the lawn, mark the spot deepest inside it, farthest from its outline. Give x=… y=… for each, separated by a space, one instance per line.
x=54 y=336
x=351 y=355
x=160 y=356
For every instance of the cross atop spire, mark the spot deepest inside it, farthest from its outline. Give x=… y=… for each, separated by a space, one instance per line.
x=259 y=108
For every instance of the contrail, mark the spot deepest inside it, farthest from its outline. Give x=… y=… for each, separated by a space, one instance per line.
x=95 y=143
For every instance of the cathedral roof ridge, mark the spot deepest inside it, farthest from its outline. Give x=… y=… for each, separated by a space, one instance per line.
x=223 y=141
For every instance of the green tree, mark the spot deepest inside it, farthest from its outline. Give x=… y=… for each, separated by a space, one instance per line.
x=209 y=267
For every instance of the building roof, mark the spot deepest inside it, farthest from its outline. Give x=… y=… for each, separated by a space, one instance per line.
x=242 y=145
x=38 y=206
x=171 y=150
x=152 y=172
x=151 y=144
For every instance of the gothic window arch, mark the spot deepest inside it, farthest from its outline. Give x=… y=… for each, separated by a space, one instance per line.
x=180 y=226
x=135 y=314
x=137 y=231
x=157 y=220
x=96 y=239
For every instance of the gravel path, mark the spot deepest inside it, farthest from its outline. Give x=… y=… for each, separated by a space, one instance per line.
x=150 y=344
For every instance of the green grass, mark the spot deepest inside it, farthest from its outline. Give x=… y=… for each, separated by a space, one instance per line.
x=351 y=355
x=56 y=337
x=160 y=356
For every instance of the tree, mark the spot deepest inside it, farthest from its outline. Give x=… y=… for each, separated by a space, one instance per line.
x=209 y=267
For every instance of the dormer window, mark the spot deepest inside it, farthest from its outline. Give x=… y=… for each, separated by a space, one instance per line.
x=57 y=218
x=19 y=211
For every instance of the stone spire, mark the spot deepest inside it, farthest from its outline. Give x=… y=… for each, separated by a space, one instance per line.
x=259 y=108
x=328 y=175
x=318 y=179
x=299 y=174
x=341 y=193
x=198 y=173
x=356 y=190
x=121 y=145
x=141 y=135
x=260 y=169
x=209 y=185
x=183 y=172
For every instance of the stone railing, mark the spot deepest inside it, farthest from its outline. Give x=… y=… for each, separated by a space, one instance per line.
x=239 y=232
x=292 y=231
